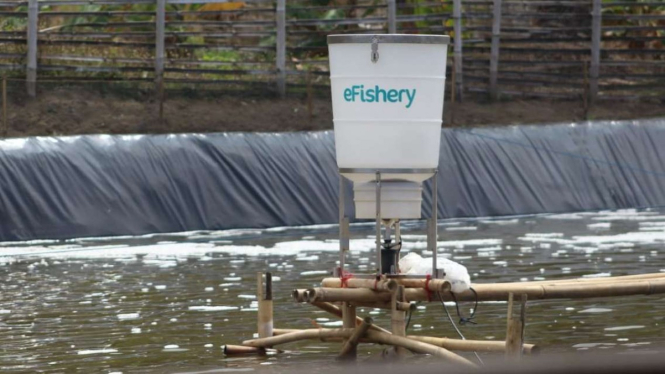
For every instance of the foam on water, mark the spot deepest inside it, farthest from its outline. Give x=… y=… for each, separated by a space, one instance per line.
x=621 y=328
x=212 y=308
x=596 y=310
x=97 y=351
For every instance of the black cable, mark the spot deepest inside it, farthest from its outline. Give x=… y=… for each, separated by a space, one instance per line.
x=455 y=326
x=464 y=320
x=408 y=320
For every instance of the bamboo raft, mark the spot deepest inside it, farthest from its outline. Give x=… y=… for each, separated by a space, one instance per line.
x=342 y=297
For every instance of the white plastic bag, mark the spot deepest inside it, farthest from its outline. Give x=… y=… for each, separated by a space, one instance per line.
x=456 y=274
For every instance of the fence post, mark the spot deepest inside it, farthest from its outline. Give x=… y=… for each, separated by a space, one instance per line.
x=596 y=20
x=494 y=54
x=160 y=52
x=392 y=17
x=457 y=18
x=280 y=62
x=33 y=18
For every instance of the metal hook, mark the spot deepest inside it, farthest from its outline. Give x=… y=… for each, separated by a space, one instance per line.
x=375 y=49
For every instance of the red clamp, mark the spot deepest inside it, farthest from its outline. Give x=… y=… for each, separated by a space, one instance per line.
x=429 y=293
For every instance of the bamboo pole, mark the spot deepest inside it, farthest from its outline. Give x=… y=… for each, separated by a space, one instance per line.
x=265 y=313
x=434 y=285
x=349 y=350
x=500 y=291
x=472 y=345
x=363 y=295
x=564 y=290
x=231 y=350
x=349 y=322
x=398 y=318
x=346 y=295
x=372 y=336
x=402 y=306
x=299 y=295
x=447 y=343
x=515 y=329
x=377 y=285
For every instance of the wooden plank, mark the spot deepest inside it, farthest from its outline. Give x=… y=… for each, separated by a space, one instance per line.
x=594 y=72
x=457 y=20
x=33 y=19
x=494 y=53
x=280 y=45
x=392 y=16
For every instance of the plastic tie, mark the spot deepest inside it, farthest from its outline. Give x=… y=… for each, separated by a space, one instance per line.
x=345 y=278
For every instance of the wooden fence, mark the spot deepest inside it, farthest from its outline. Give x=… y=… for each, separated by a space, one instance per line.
x=572 y=49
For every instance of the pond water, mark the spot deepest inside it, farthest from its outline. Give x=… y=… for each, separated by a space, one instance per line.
x=169 y=302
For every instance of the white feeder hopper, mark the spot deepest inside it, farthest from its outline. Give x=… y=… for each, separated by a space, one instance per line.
x=387 y=96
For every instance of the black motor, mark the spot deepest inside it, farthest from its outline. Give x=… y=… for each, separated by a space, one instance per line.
x=390 y=256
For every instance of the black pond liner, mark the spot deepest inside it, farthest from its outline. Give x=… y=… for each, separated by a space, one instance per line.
x=102 y=185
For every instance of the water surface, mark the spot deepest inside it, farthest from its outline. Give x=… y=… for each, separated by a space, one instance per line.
x=168 y=302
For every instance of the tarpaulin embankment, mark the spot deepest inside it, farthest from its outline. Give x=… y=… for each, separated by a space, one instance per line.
x=101 y=185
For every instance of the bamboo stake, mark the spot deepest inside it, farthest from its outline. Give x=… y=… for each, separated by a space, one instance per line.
x=515 y=330
x=349 y=350
x=349 y=321
x=372 y=336
x=265 y=314
x=447 y=343
x=398 y=318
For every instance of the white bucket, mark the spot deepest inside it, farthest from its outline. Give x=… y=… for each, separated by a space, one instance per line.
x=387 y=111
x=399 y=200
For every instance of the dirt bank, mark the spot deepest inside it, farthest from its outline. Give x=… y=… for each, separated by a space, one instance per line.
x=68 y=111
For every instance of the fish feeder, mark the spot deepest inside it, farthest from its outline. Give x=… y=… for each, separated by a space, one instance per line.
x=387 y=96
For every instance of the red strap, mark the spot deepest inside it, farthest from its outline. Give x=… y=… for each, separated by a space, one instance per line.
x=429 y=293
x=376 y=282
x=345 y=277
